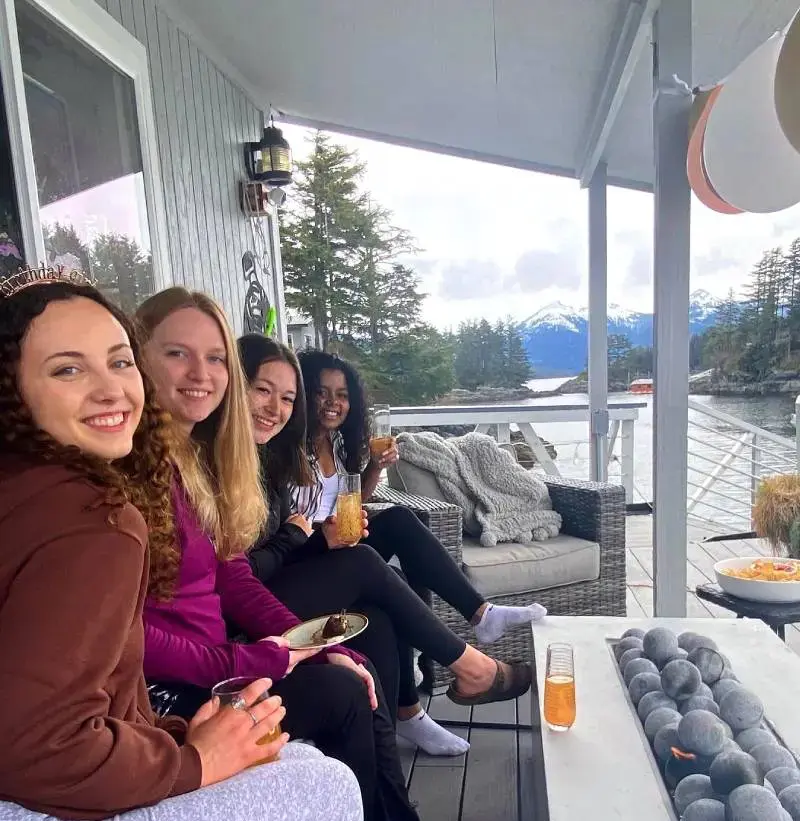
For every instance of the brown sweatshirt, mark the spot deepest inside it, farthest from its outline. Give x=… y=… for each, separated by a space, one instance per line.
x=77 y=736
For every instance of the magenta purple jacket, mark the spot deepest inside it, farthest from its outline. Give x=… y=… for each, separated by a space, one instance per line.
x=186 y=638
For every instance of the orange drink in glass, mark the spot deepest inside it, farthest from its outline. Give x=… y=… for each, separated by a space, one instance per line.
x=349 y=525
x=559 y=688
x=227 y=691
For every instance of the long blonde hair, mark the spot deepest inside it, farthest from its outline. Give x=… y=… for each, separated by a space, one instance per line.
x=218 y=463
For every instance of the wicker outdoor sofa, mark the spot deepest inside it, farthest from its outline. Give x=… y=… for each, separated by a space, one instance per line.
x=591 y=511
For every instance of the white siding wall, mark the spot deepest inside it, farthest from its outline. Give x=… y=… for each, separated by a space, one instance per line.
x=202 y=119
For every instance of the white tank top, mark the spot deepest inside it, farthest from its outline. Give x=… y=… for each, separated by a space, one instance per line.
x=327 y=499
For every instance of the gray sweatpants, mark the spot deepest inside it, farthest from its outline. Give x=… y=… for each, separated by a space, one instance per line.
x=303 y=785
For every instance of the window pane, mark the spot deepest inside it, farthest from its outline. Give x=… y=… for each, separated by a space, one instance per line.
x=86 y=148
x=10 y=234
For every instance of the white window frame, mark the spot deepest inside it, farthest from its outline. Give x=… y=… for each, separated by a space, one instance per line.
x=101 y=33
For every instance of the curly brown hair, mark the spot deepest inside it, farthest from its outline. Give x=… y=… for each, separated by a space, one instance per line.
x=143 y=477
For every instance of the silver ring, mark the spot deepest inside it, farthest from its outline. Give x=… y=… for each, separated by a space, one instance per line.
x=238 y=703
x=250 y=713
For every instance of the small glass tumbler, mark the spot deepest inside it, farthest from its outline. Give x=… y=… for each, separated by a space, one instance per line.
x=349 y=525
x=559 y=687
x=380 y=439
x=227 y=691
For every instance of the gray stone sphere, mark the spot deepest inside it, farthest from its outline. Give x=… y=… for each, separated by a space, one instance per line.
x=728 y=673
x=701 y=732
x=741 y=709
x=659 y=644
x=771 y=756
x=729 y=746
x=727 y=728
x=636 y=666
x=705 y=690
x=783 y=777
x=651 y=701
x=706 y=809
x=629 y=643
x=699 y=703
x=691 y=789
x=658 y=718
x=666 y=738
x=680 y=654
x=680 y=679
x=723 y=686
x=643 y=683
x=730 y=770
x=689 y=640
x=629 y=655
x=753 y=736
x=753 y=803
x=636 y=632
x=790 y=800
x=709 y=662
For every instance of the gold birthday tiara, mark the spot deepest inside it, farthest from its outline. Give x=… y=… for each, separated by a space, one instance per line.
x=43 y=275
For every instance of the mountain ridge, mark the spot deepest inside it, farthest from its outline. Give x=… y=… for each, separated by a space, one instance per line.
x=556 y=337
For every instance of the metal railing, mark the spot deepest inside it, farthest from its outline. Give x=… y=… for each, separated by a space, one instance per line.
x=727 y=458
x=537 y=424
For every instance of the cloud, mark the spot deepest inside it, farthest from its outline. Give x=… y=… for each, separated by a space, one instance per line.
x=640 y=267
x=714 y=261
x=469 y=279
x=541 y=268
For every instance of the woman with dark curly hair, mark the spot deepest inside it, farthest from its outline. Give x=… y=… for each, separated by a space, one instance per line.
x=211 y=593
x=306 y=570
x=82 y=446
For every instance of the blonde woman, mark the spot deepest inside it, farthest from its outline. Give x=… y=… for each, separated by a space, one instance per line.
x=202 y=584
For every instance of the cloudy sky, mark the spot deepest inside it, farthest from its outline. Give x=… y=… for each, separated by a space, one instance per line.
x=499 y=241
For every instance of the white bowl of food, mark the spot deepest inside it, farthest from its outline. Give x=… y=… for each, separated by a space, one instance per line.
x=760 y=578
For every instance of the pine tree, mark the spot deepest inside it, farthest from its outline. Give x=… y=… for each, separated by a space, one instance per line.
x=319 y=260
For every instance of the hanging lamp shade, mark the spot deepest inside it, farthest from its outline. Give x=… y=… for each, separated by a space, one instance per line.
x=787 y=84
x=695 y=167
x=269 y=160
x=749 y=160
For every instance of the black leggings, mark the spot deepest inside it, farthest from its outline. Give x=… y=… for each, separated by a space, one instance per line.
x=328 y=705
x=356 y=578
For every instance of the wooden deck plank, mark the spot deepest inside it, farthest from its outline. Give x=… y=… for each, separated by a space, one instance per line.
x=501 y=712
x=490 y=784
x=437 y=792
x=524 y=710
x=441 y=708
x=527 y=783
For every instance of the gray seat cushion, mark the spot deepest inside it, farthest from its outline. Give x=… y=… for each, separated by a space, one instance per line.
x=416 y=481
x=512 y=568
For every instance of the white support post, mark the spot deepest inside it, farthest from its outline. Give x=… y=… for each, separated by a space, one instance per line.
x=598 y=324
x=672 y=57
x=627 y=458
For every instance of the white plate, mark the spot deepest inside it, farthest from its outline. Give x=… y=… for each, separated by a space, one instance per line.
x=306 y=636
x=755 y=589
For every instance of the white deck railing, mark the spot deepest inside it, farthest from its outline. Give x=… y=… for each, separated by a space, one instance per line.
x=727 y=459
x=530 y=420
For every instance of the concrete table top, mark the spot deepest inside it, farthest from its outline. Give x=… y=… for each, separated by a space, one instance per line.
x=602 y=769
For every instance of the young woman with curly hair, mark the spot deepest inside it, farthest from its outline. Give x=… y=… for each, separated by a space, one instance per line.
x=220 y=509
x=338 y=442
x=308 y=572
x=82 y=446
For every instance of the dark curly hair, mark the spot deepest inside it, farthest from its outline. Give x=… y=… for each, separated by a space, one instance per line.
x=355 y=428
x=283 y=459
x=143 y=477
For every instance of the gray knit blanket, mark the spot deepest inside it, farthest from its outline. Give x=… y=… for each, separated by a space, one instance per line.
x=500 y=500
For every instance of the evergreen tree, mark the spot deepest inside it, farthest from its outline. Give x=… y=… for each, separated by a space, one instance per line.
x=318 y=246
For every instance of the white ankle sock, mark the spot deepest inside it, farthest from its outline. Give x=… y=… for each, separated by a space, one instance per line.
x=429 y=736
x=498 y=618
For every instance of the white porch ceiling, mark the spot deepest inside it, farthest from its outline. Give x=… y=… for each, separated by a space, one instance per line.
x=508 y=81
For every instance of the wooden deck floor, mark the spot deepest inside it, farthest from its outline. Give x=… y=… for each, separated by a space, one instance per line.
x=494 y=780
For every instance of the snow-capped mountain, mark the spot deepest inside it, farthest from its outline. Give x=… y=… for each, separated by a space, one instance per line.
x=556 y=336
